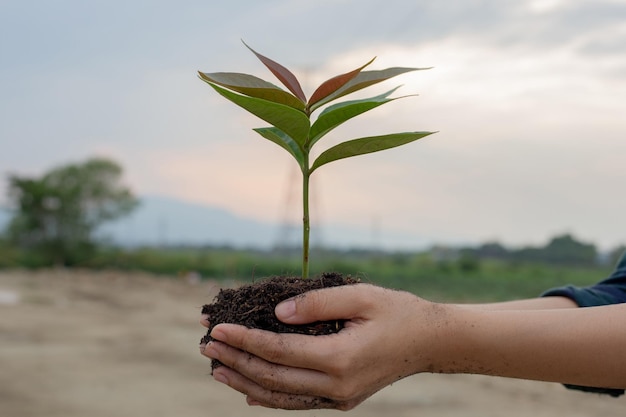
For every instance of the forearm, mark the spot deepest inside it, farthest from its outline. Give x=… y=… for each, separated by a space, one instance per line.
x=582 y=346
x=527 y=304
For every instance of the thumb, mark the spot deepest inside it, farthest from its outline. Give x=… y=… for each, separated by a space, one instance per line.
x=343 y=302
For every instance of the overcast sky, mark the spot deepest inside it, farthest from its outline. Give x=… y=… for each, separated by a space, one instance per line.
x=528 y=97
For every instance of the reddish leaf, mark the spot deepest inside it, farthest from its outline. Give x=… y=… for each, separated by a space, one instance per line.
x=283 y=74
x=362 y=80
x=330 y=86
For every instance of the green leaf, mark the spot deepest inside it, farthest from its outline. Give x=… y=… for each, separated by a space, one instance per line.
x=291 y=121
x=285 y=141
x=283 y=74
x=252 y=86
x=330 y=86
x=366 y=145
x=339 y=113
x=362 y=80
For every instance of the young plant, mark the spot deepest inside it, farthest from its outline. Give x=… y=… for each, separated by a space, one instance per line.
x=289 y=113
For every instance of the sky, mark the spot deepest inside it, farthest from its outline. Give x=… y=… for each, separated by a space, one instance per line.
x=527 y=97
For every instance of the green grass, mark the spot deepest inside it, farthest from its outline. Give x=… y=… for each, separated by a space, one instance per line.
x=460 y=280
x=469 y=280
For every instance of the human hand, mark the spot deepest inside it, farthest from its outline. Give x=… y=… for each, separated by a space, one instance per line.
x=384 y=339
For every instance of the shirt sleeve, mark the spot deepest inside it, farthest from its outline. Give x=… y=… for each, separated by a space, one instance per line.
x=609 y=291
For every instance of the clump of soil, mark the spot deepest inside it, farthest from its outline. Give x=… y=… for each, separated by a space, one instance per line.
x=253 y=305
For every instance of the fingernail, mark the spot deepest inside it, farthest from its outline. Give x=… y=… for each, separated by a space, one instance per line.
x=252 y=402
x=285 y=309
x=219 y=377
x=218 y=334
x=210 y=351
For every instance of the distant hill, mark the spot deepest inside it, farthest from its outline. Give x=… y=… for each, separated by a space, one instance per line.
x=168 y=221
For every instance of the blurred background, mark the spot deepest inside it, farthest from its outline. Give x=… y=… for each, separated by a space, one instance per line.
x=526 y=95
x=118 y=165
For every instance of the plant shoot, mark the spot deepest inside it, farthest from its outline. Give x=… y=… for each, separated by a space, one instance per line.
x=290 y=115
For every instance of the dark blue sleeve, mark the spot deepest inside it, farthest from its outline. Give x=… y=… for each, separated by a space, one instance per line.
x=610 y=291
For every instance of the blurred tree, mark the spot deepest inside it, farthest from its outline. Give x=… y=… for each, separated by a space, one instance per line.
x=55 y=216
x=489 y=250
x=565 y=249
x=562 y=249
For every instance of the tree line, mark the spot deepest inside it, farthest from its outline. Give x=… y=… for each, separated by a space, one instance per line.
x=56 y=216
x=562 y=249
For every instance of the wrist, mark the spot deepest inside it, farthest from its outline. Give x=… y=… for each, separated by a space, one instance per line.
x=432 y=336
x=448 y=343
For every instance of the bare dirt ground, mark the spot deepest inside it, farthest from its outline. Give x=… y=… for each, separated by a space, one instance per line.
x=76 y=344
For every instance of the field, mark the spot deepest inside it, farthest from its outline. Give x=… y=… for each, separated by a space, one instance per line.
x=106 y=344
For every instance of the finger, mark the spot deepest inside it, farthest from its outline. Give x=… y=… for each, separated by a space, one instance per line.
x=257 y=395
x=343 y=302
x=270 y=376
x=294 y=350
x=204 y=320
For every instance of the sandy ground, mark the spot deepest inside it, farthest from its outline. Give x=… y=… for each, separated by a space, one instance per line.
x=76 y=344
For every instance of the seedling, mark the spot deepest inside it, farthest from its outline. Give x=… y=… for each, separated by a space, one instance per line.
x=290 y=115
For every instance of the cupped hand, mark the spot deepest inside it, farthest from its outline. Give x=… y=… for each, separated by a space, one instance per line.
x=385 y=338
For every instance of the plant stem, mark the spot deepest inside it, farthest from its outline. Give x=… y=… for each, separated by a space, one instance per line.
x=306 y=227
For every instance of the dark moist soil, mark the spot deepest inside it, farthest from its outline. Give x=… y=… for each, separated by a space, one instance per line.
x=253 y=305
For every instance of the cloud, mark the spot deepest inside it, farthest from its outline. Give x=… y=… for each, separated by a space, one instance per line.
x=525 y=136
